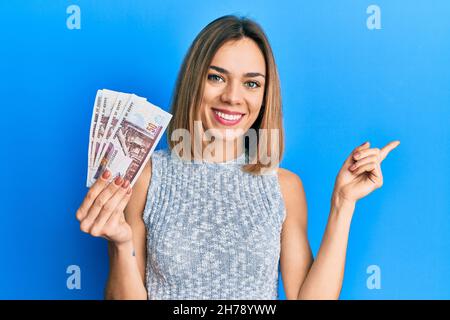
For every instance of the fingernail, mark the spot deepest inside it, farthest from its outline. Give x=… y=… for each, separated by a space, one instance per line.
x=106 y=174
x=126 y=184
x=363 y=144
x=356 y=155
x=352 y=167
x=118 y=181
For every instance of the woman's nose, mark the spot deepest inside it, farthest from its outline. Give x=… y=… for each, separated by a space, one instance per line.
x=233 y=94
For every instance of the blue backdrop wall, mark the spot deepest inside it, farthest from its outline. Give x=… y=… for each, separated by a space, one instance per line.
x=350 y=72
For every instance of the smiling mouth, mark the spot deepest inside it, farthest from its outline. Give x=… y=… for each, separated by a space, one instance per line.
x=226 y=117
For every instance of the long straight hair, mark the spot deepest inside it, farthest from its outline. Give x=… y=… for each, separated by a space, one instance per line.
x=191 y=81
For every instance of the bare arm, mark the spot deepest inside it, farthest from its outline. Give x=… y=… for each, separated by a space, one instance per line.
x=303 y=277
x=325 y=278
x=359 y=176
x=296 y=257
x=322 y=279
x=127 y=260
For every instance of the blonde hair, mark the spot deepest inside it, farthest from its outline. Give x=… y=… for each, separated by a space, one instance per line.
x=191 y=79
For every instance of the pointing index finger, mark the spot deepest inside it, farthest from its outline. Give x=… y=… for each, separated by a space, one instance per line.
x=388 y=148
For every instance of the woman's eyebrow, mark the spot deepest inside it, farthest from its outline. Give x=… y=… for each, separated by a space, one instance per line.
x=248 y=74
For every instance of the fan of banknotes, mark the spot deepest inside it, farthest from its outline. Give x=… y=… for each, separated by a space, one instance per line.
x=125 y=130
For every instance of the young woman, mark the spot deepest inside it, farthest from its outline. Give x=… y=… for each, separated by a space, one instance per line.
x=207 y=223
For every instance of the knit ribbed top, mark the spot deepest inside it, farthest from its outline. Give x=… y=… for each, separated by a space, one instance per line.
x=213 y=230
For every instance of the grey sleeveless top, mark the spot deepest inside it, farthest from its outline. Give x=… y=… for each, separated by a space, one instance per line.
x=213 y=230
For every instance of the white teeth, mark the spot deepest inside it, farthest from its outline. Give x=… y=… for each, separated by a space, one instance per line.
x=228 y=117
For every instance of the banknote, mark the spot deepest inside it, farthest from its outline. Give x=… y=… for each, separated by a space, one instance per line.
x=132 y=128
x=107 y=103
x=119 y=111
x=94 y=119
x=114 y=118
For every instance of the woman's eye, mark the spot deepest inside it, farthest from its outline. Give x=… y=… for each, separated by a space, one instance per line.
x=214 y=77
x=252 y=84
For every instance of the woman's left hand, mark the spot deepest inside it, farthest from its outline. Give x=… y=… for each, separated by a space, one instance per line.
x=361 y=172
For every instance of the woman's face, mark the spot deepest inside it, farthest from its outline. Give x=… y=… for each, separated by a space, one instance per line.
x=234 y=89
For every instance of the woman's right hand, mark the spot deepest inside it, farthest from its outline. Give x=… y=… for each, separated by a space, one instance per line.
x=101 y=213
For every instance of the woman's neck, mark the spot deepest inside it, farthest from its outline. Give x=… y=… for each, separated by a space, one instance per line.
x=222 y=150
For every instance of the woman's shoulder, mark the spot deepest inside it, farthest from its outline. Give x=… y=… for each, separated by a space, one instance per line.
x=287 y=177
x=291 y=187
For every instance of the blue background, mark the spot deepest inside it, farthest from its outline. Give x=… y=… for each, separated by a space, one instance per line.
x=342 y=84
